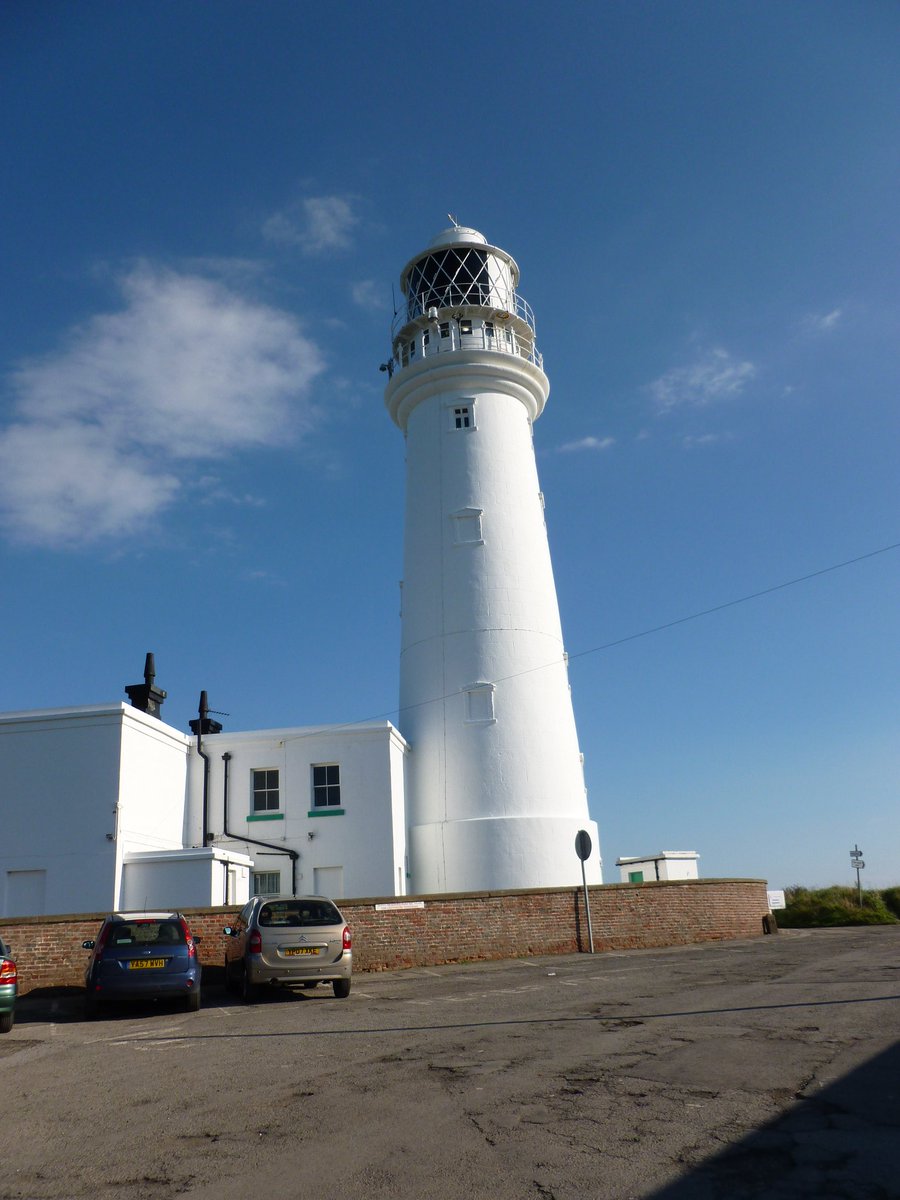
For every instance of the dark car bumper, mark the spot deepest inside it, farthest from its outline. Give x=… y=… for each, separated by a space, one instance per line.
x=122 y=986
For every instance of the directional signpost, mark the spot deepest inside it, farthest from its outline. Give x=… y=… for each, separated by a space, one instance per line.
x=583 y=850
x=857 y=864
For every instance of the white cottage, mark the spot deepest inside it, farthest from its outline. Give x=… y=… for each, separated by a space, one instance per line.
x=107 y=807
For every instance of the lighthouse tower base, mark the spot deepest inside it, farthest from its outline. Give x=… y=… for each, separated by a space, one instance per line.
x=497 y=853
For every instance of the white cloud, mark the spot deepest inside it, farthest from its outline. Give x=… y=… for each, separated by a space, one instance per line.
x=693 y=441
x=587 y=443
x=714 y=376
x=316 y=224
x=106 y=430
x=816 y=324
x=369 y=294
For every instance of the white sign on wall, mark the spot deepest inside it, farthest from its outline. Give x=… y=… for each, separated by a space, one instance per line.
x=776 y=899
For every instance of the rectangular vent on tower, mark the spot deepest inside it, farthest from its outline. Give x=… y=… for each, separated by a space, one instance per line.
x=480 y=703
x=467 y=527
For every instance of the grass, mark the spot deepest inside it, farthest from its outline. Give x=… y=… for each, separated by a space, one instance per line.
x=814 y=908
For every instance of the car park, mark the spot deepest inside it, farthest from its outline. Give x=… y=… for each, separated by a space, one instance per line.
x=142 y=956
x=288 y=941
x=8 y=988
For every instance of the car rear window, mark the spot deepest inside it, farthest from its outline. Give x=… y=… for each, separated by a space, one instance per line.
x=146 y=933
x=292 y=913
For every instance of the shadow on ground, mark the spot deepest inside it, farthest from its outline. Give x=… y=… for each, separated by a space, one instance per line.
x=839 y=1142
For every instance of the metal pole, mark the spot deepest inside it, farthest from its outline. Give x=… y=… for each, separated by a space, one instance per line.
x=587 y=906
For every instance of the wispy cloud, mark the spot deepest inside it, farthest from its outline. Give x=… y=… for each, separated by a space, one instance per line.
x=586 y=443
x=106 y=431
x=817 y=324
x=715 y=376
x=315 y=224
x=371 y=295
x=702 y=440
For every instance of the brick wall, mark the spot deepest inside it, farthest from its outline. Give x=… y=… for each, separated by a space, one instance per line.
x=452 y=928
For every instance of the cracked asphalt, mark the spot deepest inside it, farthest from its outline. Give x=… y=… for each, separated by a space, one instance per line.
x=760 y=1068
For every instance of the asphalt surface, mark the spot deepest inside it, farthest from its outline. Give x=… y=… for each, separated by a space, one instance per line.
x=764 y=1068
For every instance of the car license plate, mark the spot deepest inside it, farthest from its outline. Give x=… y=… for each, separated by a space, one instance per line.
x=301 y=950
x=137 y=963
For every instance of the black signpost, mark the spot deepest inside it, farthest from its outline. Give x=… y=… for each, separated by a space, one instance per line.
x=857 y=864
x=583 y=850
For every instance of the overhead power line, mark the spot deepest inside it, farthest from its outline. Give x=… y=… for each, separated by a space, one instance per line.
x=705 y=612
x=633 y=637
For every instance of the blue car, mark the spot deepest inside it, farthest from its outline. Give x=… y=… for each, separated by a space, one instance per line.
x=8 y=986
x=142 y=956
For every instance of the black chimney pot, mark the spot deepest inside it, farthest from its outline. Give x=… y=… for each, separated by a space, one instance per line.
x=205 y=724
x=144 y=696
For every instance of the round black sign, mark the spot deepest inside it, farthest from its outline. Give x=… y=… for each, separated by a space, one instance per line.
x=583 y=844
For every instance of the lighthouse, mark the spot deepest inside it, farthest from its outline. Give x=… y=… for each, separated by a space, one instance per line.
x=495 y=789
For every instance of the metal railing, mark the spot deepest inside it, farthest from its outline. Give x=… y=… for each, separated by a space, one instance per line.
x=455 y=298
x=504 y=340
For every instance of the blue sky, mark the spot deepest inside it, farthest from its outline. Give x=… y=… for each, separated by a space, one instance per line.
x=204 y=210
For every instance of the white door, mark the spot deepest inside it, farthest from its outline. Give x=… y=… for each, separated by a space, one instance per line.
x=25 y=893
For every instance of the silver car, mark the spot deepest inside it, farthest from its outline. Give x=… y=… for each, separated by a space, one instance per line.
x=288 y=941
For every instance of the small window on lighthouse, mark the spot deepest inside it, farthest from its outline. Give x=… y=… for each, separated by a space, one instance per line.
x=480 y=703
x=462 y=417
x=465 y=326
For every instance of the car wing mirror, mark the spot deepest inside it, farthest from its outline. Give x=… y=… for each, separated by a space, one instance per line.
x=88 y=945
x=228 y=930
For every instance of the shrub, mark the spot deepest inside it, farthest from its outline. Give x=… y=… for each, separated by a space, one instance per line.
x=837 y=905
x=891 y=897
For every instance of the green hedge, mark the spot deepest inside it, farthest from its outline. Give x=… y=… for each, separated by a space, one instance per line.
x=807 y=908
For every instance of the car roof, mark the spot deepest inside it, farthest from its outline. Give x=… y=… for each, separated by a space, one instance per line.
x=144 y=916
x=266 y=899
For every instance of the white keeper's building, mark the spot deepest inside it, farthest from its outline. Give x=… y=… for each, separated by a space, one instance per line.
x=108 y=807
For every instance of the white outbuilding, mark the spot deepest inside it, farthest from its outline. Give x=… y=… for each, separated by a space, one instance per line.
x=667 y=864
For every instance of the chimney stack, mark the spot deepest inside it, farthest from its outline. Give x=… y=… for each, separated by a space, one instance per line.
x=145 y=696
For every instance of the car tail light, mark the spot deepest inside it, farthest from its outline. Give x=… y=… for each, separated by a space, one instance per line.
x=8 y=973
x=101 y=942
x=191 y=948
x=348 y=941
x=254 y=942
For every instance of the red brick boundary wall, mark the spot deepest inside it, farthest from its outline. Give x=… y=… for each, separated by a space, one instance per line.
x=429 y=930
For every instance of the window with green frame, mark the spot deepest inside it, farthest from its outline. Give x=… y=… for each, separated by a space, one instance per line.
x=266 y=793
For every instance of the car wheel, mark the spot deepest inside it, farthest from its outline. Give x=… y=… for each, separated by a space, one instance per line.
x=230 y=978
x=249 y=991
x=342 y=988
x=193 y=1001
x=91 y=1007
x=6 y=1022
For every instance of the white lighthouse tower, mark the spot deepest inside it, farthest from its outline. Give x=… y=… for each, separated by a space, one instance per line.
x=496 y=786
